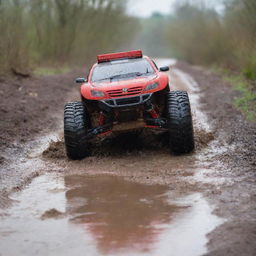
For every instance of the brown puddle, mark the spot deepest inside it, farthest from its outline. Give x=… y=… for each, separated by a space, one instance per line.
x=104 y=215
x=119 y=214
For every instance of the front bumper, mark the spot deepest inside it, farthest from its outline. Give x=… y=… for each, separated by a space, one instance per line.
x=127 y=102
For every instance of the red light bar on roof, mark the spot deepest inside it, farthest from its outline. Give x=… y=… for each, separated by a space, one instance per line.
x=119 y=55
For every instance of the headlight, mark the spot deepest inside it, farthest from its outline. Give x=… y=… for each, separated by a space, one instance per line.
x=97 y=93
x=151 y=87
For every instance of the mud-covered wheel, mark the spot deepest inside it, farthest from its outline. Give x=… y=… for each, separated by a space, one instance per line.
x=75 y=130
x=181 y=134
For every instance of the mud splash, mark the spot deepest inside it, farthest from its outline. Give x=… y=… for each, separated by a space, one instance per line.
x=117 y=145
x=55 y=150
x=104 y=215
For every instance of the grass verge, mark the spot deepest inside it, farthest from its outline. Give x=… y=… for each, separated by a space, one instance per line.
x=246 y=101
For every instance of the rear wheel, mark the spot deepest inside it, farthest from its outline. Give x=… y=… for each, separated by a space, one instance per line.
x=180 y=122
x=75 y=130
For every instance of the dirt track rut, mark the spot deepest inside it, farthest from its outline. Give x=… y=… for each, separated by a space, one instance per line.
x=129 y=198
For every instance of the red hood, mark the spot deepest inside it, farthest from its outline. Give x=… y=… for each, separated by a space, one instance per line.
x=140 y=81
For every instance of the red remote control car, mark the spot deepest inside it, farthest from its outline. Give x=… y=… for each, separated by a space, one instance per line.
x=126 y=91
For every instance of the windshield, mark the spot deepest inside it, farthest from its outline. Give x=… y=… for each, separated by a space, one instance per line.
x=121 y=70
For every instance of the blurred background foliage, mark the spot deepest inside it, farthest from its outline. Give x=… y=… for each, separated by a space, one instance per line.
x=53 y=32
x=199 y=34
x=223 y=40
x=72 y=32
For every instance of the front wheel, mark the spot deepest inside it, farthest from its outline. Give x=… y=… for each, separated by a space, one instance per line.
x=181 y=134
x=75 y=130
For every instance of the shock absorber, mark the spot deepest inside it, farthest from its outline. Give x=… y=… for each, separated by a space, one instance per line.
x=155 y=119
x=152 y=112
x=102 y=119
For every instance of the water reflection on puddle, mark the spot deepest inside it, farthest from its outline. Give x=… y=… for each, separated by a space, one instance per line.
x=104 y=215
x=119 y=214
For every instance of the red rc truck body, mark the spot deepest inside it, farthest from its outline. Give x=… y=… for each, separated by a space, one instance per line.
x=124 y=88
x=126 y=91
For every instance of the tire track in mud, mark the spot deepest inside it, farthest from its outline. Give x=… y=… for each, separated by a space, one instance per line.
x=140 y=162
x=92 y=198
x=141 y=159
x=146 y=143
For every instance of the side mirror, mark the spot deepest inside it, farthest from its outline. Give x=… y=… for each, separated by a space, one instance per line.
x=81 y=80
x=164 y=69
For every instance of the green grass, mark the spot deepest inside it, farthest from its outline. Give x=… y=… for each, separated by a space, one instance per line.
x=48 y=71
x=246 y=102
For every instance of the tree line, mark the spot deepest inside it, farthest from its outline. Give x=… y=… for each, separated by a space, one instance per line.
x=199 y=34
x=49 y=32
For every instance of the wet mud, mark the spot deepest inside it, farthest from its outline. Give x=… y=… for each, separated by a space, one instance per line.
x=130 y=197
x=233 y=165
x=52 y=214
x=128 y=143
x=108 y=215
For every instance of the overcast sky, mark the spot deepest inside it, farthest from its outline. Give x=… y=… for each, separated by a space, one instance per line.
x=145 y=8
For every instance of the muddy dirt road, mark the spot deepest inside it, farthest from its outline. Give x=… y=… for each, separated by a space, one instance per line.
x=131 y=197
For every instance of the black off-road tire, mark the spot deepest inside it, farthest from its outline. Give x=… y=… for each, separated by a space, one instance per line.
x=75 y=130
x=181 y=134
